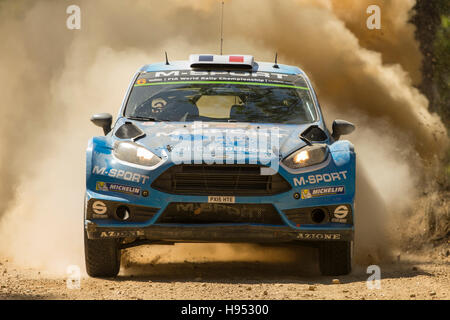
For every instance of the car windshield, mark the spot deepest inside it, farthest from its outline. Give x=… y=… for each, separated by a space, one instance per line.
x=231 y=101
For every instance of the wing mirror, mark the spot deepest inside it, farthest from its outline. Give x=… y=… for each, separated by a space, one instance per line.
x=341 y=127
x=103 y=120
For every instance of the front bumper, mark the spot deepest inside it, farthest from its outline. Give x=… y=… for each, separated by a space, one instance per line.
x=209 y=222
x=230 y=233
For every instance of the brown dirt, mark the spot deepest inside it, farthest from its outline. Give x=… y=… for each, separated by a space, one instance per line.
x=422 y=275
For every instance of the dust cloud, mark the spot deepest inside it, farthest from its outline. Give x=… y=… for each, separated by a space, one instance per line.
x=52 y=79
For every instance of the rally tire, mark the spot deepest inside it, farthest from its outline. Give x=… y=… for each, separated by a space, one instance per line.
x=335 y=258
x=102 y=257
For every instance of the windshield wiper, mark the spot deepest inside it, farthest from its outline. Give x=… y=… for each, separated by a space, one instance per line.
x=142 y=118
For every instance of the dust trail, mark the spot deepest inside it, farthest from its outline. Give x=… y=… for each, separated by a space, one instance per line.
x=142 y=260
x=53 y=79
x=346 y=74
x=395 y=40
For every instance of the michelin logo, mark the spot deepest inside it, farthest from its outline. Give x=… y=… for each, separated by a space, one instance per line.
x=318 y=192
x=317 y=178
x=114 y=187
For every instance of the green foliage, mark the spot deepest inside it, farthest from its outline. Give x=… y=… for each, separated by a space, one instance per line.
x=441 y=68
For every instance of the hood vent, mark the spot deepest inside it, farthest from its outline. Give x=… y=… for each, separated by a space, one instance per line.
x=129 y=131
x=314 y=133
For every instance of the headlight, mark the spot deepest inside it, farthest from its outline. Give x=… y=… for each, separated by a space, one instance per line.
x=134 y=153
x=307 y=156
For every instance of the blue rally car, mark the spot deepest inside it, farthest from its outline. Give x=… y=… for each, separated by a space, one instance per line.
x=219 y=148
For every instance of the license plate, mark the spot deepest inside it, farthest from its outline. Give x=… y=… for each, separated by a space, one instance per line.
x=220 y=199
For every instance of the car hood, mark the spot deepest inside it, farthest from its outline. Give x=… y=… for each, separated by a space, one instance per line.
x=162 y=138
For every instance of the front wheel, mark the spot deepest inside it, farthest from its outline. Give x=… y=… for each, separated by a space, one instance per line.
x=102 y=257
x=335 y=258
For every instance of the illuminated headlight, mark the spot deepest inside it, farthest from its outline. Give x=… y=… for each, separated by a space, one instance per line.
x=134 y=153
x=307 y=156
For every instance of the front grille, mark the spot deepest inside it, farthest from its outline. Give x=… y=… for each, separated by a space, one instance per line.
x=239 y=180
x=142 y=214
x=204 y=213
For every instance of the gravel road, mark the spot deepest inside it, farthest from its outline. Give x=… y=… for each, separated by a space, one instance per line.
x=414 y=276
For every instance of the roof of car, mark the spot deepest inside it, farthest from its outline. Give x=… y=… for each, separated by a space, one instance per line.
x=186 y=65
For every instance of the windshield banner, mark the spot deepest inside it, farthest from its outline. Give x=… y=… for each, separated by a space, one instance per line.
x=221 y=77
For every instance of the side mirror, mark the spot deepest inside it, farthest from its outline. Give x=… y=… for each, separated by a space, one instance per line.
x=341 y=127
x=103 y=120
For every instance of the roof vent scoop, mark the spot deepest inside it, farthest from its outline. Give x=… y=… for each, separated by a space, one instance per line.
x=213 y=61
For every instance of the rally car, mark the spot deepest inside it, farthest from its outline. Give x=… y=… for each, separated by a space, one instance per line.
x=219 y=148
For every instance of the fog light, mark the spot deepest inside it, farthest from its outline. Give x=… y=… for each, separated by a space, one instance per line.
x=318 y=215
x=123 y=213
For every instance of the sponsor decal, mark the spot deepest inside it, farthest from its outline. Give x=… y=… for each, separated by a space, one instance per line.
x=217 y=208
x=221 y=77
x=158 y=105
x=114 y=187
x=221 y=199
x=340 y=214
x=318 y=236
x=318 y=178
x=336 y=220
x=99 y=207
x=323 y=191
x=120 y=174
x=121 y=234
